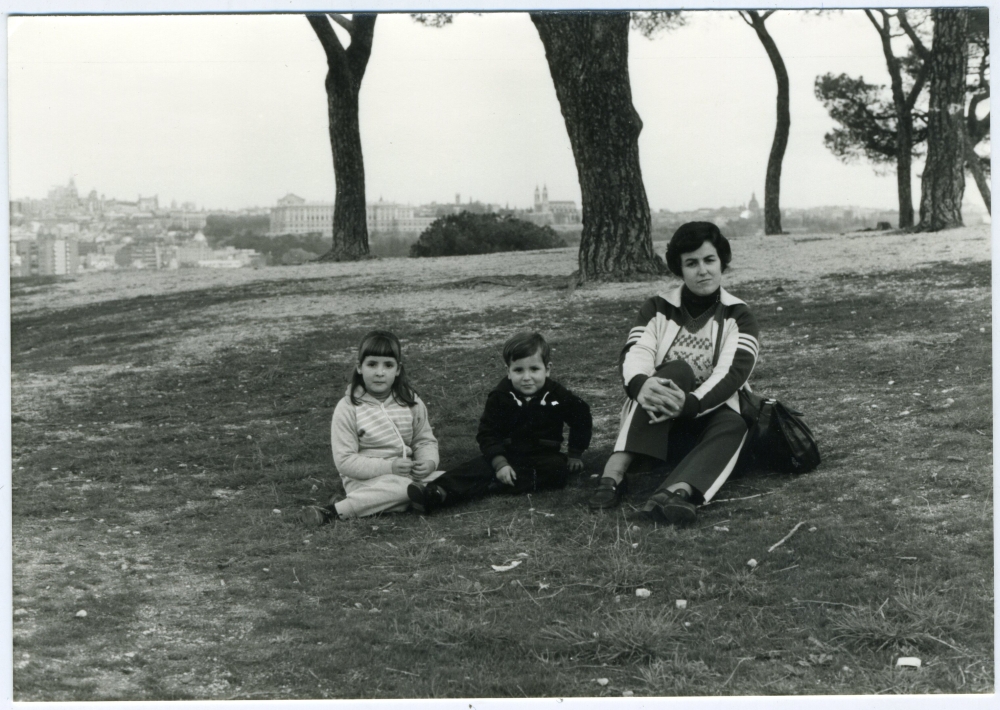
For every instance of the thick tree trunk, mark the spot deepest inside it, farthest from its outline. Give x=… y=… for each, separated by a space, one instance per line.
x=943 y=182
x=343 y=84
x=772 y=180
x=587 y=54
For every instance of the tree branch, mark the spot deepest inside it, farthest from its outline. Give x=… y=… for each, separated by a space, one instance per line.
x=744 y=17
x=342 y=21
x=918 y=84
x=361 y=44
x=327 y=37
x=767 y=14
x=912 y=34
x=881 y=29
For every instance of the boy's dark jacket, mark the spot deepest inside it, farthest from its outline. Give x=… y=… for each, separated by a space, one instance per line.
x=512 y=424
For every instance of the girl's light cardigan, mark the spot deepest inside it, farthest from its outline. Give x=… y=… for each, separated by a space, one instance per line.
x=368 y=436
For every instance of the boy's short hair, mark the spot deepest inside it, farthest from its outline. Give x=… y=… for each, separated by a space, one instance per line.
x=525 y=345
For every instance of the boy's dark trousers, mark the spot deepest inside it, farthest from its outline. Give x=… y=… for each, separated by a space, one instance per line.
x=537 y=470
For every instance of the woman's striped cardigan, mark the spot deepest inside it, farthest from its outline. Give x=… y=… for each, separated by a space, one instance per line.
x=736 y=349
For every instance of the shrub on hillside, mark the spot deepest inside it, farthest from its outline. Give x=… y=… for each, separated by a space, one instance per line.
x=467 y=233
x=296 y=256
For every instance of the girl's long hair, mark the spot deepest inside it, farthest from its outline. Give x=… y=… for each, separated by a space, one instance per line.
x=382 y=343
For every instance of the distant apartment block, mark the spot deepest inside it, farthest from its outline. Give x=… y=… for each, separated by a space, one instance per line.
x=293 y=215
x=47 y=255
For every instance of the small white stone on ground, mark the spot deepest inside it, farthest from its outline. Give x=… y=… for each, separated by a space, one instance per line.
x=276 y=511
x=81 y=614
x=642 y=593
x=627 y=693
x=896 y=501
x=907 y=662
x=681 y=603
x=813 y=529
x=751 y=563
x=602 y=681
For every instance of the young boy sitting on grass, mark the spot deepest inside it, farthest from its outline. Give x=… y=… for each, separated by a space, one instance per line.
x=520 y=434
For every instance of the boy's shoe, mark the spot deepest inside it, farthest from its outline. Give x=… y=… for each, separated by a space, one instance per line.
x=425 y=499
x=608 y=494
x=671 y=507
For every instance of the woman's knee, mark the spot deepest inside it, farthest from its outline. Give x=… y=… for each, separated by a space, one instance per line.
x=679 y=372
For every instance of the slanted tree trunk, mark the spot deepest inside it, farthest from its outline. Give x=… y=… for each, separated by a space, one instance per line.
x=943 y=182
x=587 y=54
x=975 y=130
x=975 y=165
x=772 y=180
x=343 y=84
x=903 y=104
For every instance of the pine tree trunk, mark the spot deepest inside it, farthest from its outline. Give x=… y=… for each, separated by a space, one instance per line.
x=343 y=85
x=943 y=183
x=587 y=53
x=772 y=180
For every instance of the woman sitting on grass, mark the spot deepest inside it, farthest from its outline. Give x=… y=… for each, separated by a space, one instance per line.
x=382 y=441
x=685 y=358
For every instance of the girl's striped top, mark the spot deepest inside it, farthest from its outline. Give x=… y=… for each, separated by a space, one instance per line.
x=367 y=437
x=734 y=338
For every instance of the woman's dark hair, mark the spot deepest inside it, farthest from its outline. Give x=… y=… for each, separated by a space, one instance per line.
x=689 y=237
x=525 y=345
x=382 y=343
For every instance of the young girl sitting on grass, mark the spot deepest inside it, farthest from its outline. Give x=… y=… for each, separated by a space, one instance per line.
x=382 y=440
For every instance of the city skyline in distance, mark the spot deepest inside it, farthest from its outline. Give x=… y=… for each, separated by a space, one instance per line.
x=229 y=111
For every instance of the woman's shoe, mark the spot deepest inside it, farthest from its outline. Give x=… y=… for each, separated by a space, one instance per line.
x=671 y=507
x=608 y=494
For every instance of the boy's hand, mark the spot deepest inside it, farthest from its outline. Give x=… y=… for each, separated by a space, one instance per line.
x=421 y=469
x=574 y=465
x=402 y=467
x=507 y=475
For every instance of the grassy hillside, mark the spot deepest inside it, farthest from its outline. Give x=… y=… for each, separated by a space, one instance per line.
x=166 y=432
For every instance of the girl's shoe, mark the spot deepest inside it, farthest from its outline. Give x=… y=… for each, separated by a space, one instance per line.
x=313 y=516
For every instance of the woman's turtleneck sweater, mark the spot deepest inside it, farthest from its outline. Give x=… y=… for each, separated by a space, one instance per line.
x=696 y=305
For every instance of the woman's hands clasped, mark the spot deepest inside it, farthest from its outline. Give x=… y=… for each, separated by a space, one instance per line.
x=661 y=398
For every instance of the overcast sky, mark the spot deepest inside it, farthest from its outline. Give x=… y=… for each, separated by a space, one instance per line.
x=229 y=111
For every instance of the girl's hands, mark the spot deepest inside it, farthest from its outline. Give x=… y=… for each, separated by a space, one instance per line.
x=507 y=475
x=421 y=469
x=402 y=467
x=574 y=465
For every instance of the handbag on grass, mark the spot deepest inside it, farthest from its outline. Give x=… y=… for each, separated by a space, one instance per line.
x=778 y=439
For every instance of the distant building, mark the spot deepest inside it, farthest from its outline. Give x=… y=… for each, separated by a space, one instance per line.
x=148 y=204
x=555 y=213
x=383 y=217
x=293 y=215
x=58 y=256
